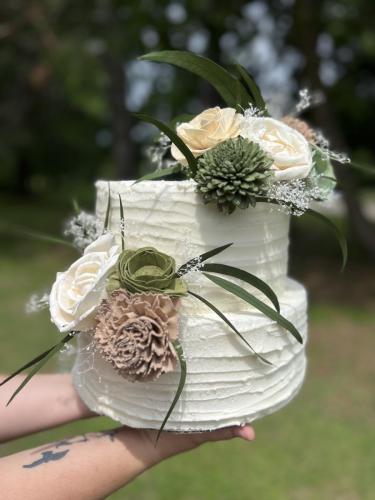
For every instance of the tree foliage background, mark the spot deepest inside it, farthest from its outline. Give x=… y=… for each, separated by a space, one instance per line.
x=70 y=80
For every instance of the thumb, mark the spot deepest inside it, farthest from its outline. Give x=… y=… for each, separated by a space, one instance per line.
x=246 y=432
x=172 y=443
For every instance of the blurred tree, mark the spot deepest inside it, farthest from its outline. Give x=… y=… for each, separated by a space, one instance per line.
x=316 y=24
x=50 y=109
x=64 y=82
x=69 y=78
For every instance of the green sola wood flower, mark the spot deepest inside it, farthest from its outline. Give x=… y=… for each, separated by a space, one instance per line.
x=233 y=174
x=146 y=270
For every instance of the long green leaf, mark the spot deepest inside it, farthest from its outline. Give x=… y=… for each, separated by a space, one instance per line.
x=77 y=208
x=201 y=258
x=249 y=278
x=44 y=358
x=122 y=223
x=340 y=237
x=258 y=304
x=250 y=85
x=181 y=384
x=363 y=168
x=227 y=85
x=21 y=231
x=160 y=174
x=108 y=211
x=177 y=141
x=26 y=366
x=229 y=323
x=181 y=118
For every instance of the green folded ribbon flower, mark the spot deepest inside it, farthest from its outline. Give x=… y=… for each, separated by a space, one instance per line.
x=146 y=270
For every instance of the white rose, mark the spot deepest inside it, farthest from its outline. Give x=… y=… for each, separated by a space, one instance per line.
x=287 y=147
x=78 y=291
x=207 y=130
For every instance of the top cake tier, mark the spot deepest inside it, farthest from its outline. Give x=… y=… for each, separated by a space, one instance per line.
x=171 y=216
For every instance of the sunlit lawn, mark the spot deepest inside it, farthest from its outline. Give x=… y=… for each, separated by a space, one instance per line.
x=320 y=447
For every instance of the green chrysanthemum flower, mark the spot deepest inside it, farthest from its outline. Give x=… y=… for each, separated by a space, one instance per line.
x=233 y=173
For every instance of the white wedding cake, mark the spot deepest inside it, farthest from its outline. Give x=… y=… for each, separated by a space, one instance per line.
x=226 y=384
x=180 y=302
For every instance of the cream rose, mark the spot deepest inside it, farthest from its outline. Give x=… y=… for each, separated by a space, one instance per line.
x=288 y=148
x=206 y=130
x=77 y=292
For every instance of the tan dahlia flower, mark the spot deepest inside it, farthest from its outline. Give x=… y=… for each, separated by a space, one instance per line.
x=302 y=127
x=134 y=333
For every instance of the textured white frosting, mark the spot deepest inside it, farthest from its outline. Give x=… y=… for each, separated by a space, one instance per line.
x=226 y=384
x=172 y=217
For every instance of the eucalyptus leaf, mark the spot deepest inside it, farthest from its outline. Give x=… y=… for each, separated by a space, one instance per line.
x=160 y=174
x=249 y=83
x=227 y=85
x=122 y=223
x=322 y=174
x=230 y=324
x=201 y=258
x=177 y=141
x=108 y=211
x=258 y=304
x=333 y=179
x=337 y=232
x=249 y=278
x=181 y=384
x=39 y=362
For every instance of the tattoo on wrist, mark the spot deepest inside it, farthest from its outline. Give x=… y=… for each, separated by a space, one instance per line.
x=49 y=455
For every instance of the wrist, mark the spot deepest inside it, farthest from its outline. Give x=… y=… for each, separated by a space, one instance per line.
x=78 y=407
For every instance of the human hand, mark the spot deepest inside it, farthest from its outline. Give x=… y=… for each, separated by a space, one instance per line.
x=172 y=443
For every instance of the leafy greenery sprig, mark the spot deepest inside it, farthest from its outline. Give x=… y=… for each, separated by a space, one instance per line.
x=179 y=143
x=38 y=362
x=238 y=90
x=331 y=225
x=231 y=89
x=180 y=387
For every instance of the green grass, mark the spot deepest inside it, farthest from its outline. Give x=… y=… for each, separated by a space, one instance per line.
x=319 y=447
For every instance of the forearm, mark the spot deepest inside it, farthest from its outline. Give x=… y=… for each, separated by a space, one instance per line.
x=47 y=401
x=89 y=467
x=92 y=466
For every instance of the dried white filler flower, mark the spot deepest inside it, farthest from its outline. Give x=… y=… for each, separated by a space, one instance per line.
x=84 y=228
x=158 y=151
x=37 y=302
x=294 y=197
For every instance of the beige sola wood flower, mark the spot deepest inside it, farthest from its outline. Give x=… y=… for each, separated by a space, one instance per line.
x=134 y=332
x=207 y=130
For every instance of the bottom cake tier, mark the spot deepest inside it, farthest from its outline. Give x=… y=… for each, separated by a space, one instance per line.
x=225 y=385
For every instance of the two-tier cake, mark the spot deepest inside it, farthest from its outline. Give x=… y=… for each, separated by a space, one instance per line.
x=226 y=384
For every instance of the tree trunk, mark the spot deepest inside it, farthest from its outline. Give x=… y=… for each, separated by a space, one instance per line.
x=305 y=33
x=125 y=152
